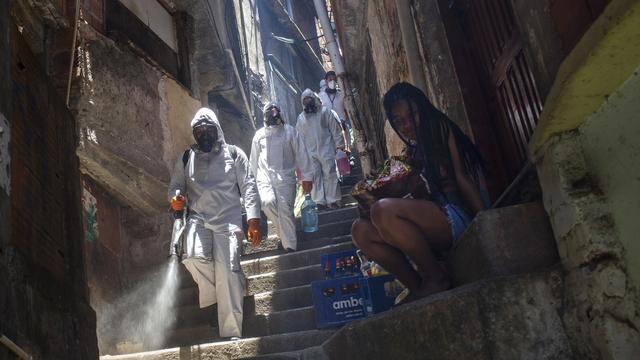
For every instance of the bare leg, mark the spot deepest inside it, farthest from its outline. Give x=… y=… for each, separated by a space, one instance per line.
x=416 y=228
x=366 y=238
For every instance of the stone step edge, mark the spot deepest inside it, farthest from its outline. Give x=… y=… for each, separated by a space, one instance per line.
x=258 y=254
x=275 y=273
x=248 y=262
x=159 y=353
x=261 y=295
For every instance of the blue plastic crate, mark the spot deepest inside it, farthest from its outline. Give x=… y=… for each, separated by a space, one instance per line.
x=331 y=258
x=341 y=300
x=380 y=293
x=338 y=301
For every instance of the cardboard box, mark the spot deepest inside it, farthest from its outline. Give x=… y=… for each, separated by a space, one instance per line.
x=341 y=300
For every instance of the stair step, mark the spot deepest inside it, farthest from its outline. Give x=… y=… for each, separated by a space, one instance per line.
x=351 y=179
x=506 y=241
x=346 y=189
x=223 y=350
x=257 y=284
x=302 y=245
x=501 y=318
x=291 y=260
x=189 y=313
x=281 y=300
x=327 y=235
x=280 y=322
x=274 y=322
x=346 y=214
x=338 y=228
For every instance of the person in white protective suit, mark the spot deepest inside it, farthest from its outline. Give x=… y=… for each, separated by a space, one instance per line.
x=276 y=150
x=322 y=136
x=212 y=175
x=332 y=98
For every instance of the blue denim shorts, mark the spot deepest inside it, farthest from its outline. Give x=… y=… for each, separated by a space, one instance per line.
x=459 y=220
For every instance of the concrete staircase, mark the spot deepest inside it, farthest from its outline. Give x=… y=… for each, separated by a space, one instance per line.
x=278 y=309
x=505 y=304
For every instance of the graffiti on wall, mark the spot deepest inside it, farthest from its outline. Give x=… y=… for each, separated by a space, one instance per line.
x=90 y=212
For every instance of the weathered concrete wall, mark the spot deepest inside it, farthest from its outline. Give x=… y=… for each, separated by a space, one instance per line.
x=128 y=114
x=512 y=317
x=380 y=21
x=134 y=123
x=43 y=294
x=612 y=152
x=443 y=87
x=601 y=299
x=540 y=40
x=388 y=55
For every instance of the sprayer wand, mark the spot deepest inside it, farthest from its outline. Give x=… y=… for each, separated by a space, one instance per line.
x=179 y=224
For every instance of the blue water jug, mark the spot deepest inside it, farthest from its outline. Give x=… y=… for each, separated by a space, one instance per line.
x=309 y=215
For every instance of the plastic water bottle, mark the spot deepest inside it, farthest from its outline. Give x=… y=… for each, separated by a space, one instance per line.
x=309 y=215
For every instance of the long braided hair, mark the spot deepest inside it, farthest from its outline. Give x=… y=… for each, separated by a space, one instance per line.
x=433 y=135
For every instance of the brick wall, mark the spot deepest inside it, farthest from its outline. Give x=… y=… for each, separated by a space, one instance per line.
x=43 y=302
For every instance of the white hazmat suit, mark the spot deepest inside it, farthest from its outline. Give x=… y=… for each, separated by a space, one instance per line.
x=322 y=135
x=276 y=150
x=212 y=183
x=334 y=102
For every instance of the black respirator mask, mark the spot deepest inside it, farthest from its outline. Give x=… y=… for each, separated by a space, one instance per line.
x=273 y=117
x=310 y=105
x=206 y=136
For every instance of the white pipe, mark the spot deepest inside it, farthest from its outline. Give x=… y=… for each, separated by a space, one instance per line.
x=327 y=31
x=15 y=348
x=410 y=44
x=366 y=162
x=73 y=51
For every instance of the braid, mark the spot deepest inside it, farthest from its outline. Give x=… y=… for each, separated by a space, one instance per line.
x=433 y=135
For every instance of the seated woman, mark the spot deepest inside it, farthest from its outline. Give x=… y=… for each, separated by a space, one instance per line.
x=416 y=228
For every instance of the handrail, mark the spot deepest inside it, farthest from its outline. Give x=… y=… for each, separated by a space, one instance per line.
x=15 y=348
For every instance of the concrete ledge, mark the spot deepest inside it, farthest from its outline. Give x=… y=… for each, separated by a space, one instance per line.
x=606 y=55
x=504 y=318
x=234 y=349
x=283 y=279
x=506 y=241
x=291 y=260
x=271 y=250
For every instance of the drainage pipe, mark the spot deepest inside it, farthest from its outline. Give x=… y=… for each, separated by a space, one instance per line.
x=364 y=154
x=15 y=348
x=410 y=44
x=73 y=51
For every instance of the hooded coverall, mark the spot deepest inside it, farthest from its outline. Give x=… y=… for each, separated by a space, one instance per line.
x=322 y=135
x=212 y=183
x=276 y=150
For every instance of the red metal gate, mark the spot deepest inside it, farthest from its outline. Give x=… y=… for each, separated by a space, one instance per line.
x=493 y=40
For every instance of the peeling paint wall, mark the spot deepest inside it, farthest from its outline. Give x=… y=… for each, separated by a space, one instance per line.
x=388 y=56
x=612 y=150
x=44 y=304
x=133 y=122
x=591 y=187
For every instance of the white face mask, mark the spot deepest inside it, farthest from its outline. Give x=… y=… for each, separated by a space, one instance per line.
x=332 y=84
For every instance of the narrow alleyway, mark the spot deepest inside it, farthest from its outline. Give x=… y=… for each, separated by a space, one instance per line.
x=519 y=117
x=278 y=308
